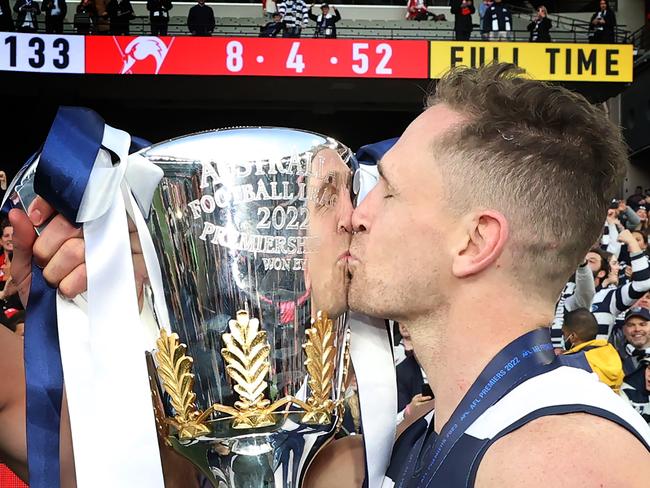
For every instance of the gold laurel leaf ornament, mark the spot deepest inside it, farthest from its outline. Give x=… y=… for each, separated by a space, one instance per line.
x=246 y=353
x=174 y=369
x=320 y=364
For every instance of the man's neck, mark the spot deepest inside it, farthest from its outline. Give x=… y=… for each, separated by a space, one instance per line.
x=453 y=348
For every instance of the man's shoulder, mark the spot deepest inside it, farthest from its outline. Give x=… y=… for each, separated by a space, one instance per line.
x=577 y=449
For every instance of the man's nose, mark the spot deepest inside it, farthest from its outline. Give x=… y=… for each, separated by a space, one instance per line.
x=361 y=214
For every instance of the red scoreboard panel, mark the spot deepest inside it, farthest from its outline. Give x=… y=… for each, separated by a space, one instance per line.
x=246 y=56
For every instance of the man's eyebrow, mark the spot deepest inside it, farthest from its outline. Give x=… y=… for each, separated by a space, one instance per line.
x=382 y=173
x=380 y=170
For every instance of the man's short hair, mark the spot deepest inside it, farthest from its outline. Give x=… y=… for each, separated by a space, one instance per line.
x=582 y=323
x=540 y=154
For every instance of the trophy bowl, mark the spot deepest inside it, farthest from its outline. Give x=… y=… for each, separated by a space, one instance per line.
x=251 y=227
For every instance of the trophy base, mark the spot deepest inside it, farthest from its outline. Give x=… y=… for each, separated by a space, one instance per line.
x=268 y=457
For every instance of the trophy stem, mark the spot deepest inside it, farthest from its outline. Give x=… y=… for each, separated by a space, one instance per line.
x=248 y=465
x=197 y=454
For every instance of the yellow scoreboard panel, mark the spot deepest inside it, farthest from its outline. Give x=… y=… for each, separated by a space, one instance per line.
x=542 y=61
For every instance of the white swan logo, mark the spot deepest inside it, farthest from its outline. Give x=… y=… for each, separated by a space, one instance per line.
x=141 y=48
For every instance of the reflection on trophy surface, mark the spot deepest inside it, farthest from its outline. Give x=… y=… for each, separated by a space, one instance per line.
x=252 y=228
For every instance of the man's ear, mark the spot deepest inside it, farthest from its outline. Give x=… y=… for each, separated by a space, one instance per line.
x=484 y=236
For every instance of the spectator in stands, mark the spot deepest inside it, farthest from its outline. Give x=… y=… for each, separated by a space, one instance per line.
x=200 y=20
x=579 y=331
x=102 y=17
x=159 y=16
x=6 y=20
x=294 y=16
x=637 y=198
x=602 y=26
x=613 y=299
x=540 y=26
x=9 y=298
x=636 y=389
x=636 y=331
x=28 y=11
x=482 y=9
x=7 y=246
x=619 y=217
x=84 y=19
x=55 y=11
x=642 y=213
x=418 y=10
x=627 y=215
x=462 y=11
x=274 y=27
x=498 y=22
x=269 y=9
x=121 y=14
x=326 y=21
x=578 y=293
x=411 y=383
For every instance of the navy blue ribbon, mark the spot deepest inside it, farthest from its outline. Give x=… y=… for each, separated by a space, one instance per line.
x=370 y=154
x=61 y=178
x=521 y=359
x=138 y=143
x=44 y=384
x=67 y=159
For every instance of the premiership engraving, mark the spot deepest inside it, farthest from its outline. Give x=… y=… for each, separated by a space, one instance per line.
x=283 y=212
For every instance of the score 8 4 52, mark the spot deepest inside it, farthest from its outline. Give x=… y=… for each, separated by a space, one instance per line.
x=365 y=59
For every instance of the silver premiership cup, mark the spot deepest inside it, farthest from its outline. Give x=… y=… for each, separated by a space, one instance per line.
x=251 y=227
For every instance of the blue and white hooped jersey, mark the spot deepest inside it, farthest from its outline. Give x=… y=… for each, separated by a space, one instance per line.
x=563 y=385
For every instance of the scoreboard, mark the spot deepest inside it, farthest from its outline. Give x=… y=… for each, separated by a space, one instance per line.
x=334 y=58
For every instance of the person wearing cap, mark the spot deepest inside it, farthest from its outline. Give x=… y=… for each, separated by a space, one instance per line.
x=636 y=331
x=579 y=331
x=325 y=22
x=636 y=389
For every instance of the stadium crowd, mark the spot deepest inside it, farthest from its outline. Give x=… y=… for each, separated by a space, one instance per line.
x=285 y=18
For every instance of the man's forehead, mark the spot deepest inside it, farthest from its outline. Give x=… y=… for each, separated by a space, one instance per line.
x=430 y=124
x=636 y=321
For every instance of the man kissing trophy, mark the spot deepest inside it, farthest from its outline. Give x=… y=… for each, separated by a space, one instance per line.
x=245 y=233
